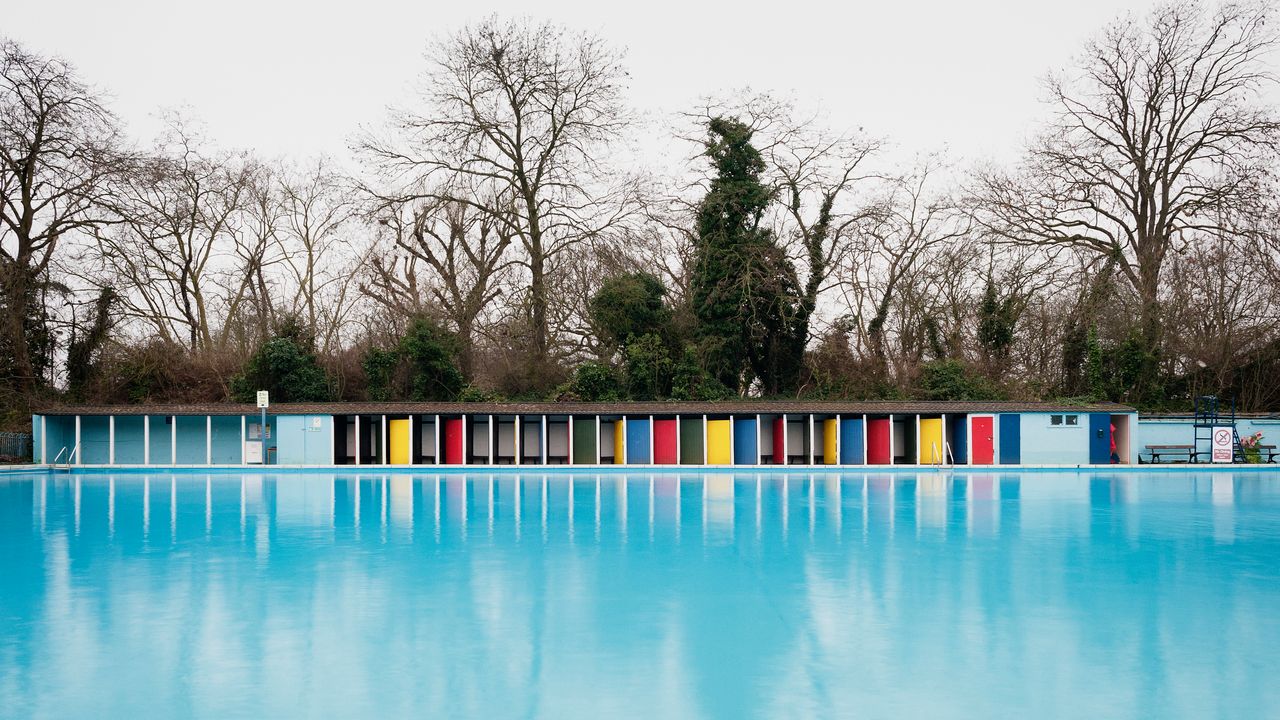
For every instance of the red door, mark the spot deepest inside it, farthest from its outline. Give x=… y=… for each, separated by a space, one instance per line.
x=984 y=452
x=665 y=444
x=879 y=441
x=453 y=445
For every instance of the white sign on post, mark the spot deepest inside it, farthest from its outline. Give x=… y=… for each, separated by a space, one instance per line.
x=1222 y=441
x=263 y=400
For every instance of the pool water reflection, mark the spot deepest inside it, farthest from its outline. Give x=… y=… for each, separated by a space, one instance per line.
x=673 y=595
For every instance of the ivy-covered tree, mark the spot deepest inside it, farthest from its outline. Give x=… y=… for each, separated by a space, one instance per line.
x=630 y=305
x=745 y=292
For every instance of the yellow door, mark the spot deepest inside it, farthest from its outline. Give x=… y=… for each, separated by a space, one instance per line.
x=830 y=433
x=620 y=441
x=931 y=449
x=399 y=435
x=719 y=442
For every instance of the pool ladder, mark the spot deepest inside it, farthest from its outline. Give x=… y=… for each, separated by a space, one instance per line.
x=943 y=459
x=66 y=467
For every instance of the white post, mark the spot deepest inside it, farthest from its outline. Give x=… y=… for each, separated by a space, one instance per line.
x=706 y=435
x=569 y=460
x=111 y=439
x=437 y=444
x=493 y=439
x=76 y=449
x=597 y=438
x=357 y=445
x=382 y=443
x=919 y=453
x=517 y=442
x=333 y=439
x=865 y=430
x=173 y=440
x=653 y=434
x=542 y=441
x=625 y=455
x=243 y=438
x=146 y=439
x=208 y=439
x=733 y=443
x=786 y=440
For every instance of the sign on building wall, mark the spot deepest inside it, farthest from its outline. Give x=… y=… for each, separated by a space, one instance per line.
x=1222 y=441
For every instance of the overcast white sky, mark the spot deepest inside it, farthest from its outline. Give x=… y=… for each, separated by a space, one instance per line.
x=297 y=78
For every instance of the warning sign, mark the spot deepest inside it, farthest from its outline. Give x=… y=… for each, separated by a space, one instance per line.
x=1222 y=451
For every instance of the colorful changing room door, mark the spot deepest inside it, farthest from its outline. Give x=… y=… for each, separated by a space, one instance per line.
x=984 y=448
x=1099 y=438
x=1010 y=439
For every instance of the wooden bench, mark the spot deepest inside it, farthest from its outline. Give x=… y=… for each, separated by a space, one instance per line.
x=1176 y=453
x=1267 y=453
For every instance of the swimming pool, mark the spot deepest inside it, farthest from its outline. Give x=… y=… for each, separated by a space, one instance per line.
x=648 y=594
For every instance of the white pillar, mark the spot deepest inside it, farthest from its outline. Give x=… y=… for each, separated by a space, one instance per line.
x=111 y=439
x=653 y=434
x=786 y=440
x=542 y=441
x=517 y=442
x=357 y=446
x=626 y=459
x=382 y=442
x=597 y=438
x=865 y=430
x=243 y=438
x=891 y=455
x=76 y=449
x=173 y=440
x=466 y=444
x=733 y=443
x=439 y=446
x=705 y=437
x=146 y=439
x=208 y=439
x=569 y=460
x=919 y=450
x=493 y=439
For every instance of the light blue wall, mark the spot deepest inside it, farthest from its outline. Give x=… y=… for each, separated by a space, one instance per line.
x=95 y=439
x=60 y=433
x=191 y=440
x=303 y=439
x=1045 y=444
x=226 y=440
x=37 y=422
x=1181 y=431
x=160 y=440
x=129 y=450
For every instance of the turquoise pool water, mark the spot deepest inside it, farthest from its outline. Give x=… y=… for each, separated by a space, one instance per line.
x=647 y=595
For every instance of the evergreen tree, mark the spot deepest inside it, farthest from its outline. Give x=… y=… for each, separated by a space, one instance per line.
x=286 y=367
x=745 y=293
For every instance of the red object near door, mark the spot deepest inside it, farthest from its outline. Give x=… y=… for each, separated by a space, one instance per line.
x=665 y=441
x=453 y=449
x=780 y=441
x=984 y=446
x=879 y=441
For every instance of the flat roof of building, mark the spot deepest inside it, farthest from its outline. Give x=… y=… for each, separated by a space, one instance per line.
x=734 y=407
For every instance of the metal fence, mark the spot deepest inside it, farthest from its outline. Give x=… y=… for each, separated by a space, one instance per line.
x=15 y=445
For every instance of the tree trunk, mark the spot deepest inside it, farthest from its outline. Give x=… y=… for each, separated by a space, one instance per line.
x=18 y=287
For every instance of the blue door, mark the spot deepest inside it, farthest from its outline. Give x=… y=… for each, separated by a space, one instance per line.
x=959 y=438
x=851 y=441
x=745 y=450
x=638 y=441
x=1010 y=439
x=1099 y=438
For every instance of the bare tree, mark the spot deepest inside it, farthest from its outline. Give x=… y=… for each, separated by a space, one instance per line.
x=525 y=113
x=445 y=255
x=1157 y=132
x=171 y=256
x=58 y=146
